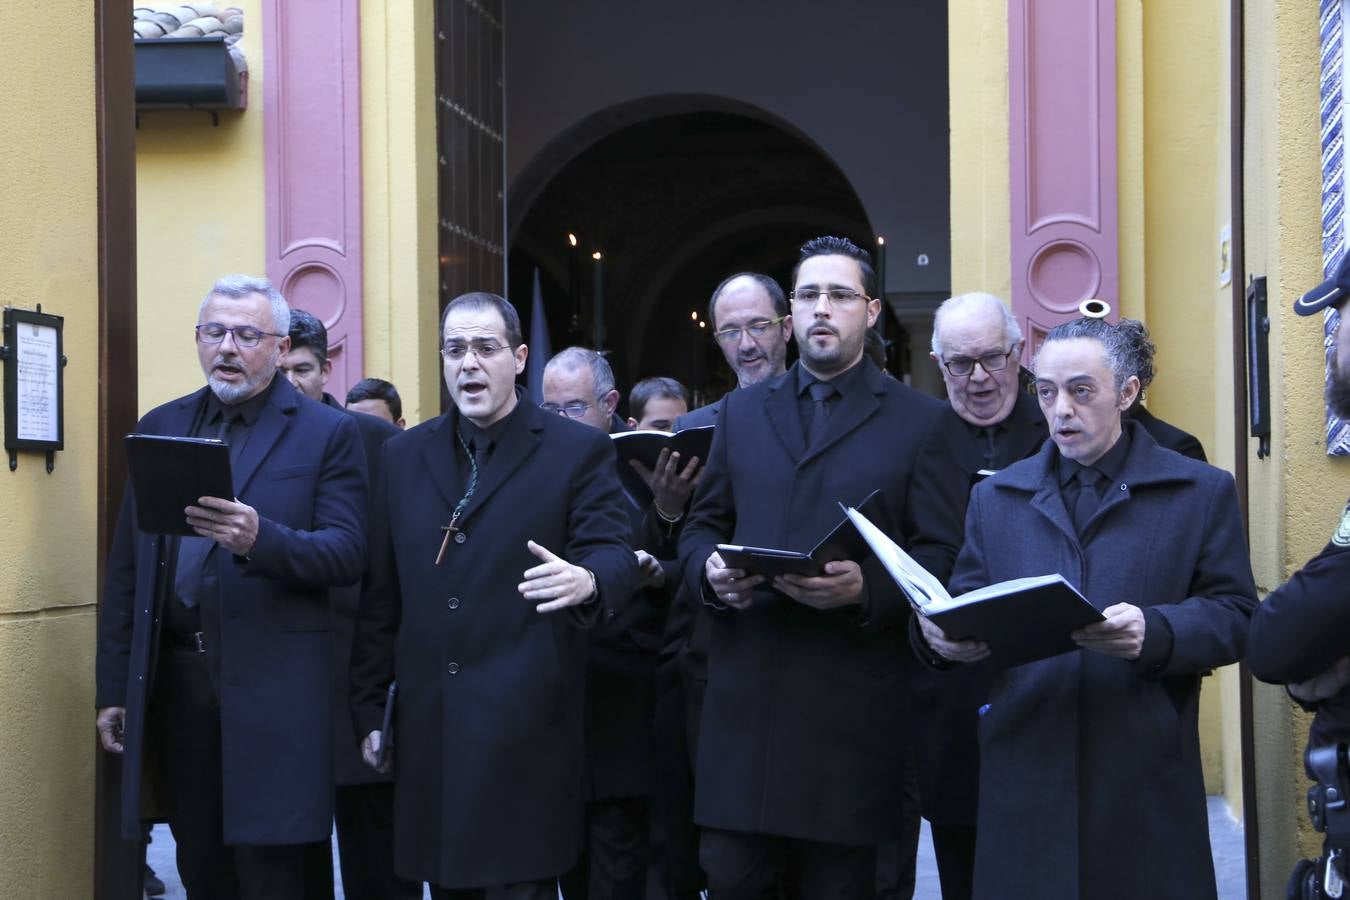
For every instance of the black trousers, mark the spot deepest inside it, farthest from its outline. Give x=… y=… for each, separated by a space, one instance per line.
x=675 y=836
x=614 y=864
x=530 y=890
x=185 y=723
x=743 y=866
x=954 y=847
x=364 y=814
x=897 y=861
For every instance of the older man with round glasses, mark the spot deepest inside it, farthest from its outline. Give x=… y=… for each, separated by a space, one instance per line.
x=990 y=424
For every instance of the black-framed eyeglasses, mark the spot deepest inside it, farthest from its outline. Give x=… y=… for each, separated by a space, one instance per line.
x=480 y=349
x=962 y=366
x=244 y=335
x=755 y=329
x=834 y=295
x=571 y=410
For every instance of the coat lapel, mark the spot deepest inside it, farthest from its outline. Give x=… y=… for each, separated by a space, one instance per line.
x=438 y=452
x=782 y=409
x=272 y=422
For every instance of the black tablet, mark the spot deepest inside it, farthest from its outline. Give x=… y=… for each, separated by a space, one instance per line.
x=169 y=474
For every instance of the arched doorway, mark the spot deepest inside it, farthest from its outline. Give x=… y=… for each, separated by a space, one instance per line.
x=675 y=193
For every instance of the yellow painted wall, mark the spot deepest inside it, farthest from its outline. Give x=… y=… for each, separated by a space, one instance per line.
x=398 y=141
x=1296 y=496
x=977 y=69
x=48 y=217
x=199 y=215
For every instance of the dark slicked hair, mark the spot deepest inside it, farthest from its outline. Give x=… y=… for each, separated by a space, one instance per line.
x=649 y=389
x=485 y=300
x=770 y=285
x=838 y=246
x=377 y=389
x=307 y=331
x=1117 y=343
x=1142 y=348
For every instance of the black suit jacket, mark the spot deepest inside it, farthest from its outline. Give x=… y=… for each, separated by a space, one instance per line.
x=348 y=767
x=488 y=747
x=946 y=705
x=267 y=630
x=805 y=724
x=1167 y=435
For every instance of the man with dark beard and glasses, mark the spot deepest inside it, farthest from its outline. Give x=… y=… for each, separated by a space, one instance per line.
x=1299 y=633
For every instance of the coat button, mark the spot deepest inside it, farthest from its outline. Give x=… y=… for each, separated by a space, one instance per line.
x=461 y=537
x=453 y=668
x=453 y=603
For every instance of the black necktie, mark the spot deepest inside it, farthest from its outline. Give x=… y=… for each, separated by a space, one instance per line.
x=194 y=575
x=987 y=436
x=821 y=394
x=1088 y=499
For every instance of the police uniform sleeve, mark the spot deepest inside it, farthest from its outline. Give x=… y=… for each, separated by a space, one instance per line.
x=1302 y=628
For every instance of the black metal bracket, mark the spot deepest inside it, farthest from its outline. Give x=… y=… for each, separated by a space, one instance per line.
x=1258 y=364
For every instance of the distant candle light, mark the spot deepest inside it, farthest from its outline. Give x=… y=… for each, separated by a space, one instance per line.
x=702 y=324
x=694 y=315
x=596 y=256
x=571 y=239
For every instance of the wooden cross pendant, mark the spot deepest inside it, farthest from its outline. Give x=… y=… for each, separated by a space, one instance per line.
x=445 y=542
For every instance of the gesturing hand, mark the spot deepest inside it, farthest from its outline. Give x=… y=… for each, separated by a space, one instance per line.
x=555 y=581
x=1324 y=686
x=841 y=585
x=370 y=752
x=1122 y=634
x=231 y=524
x=671 y=487
x=732 y=586
x=650 y=573
x=110 y=722
x=945 y=647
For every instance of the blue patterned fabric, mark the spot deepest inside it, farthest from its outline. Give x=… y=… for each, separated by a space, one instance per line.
x=1332 y=108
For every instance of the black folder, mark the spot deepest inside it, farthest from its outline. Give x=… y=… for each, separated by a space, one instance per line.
x=646 y=447
x=843 y=542
x=169 y=474
x=1023 y=620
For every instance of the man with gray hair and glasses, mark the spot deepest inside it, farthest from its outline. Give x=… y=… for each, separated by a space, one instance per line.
x=213 y=651
x=991 y=423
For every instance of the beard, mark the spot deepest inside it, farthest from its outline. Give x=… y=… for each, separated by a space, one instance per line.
x=1338 y=390
x=230 y=394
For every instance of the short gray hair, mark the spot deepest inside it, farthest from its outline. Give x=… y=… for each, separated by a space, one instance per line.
x=1119 y=344
x=584 y=357
x=1012 y=332
x=238 y=287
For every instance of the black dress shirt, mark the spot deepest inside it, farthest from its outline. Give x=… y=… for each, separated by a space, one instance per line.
x=1109 y=467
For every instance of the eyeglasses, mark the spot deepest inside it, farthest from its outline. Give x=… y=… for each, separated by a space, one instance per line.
x=961 y=366
x=244 y=335
x=571 y=410
x=836 y=296
x=756 y=329
x=480 y=349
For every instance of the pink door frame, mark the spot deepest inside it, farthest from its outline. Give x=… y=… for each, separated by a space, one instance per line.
x=1062 y=150
x=312 y=160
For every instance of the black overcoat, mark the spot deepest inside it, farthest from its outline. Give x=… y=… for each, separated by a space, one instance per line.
x=804 y=722
x=946 y=705
x=267 y=631
x=348 y=766
x=1090 y=776
x=488 y=746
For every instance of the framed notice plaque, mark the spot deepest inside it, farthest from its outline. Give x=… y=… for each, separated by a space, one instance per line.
x=34 y=386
